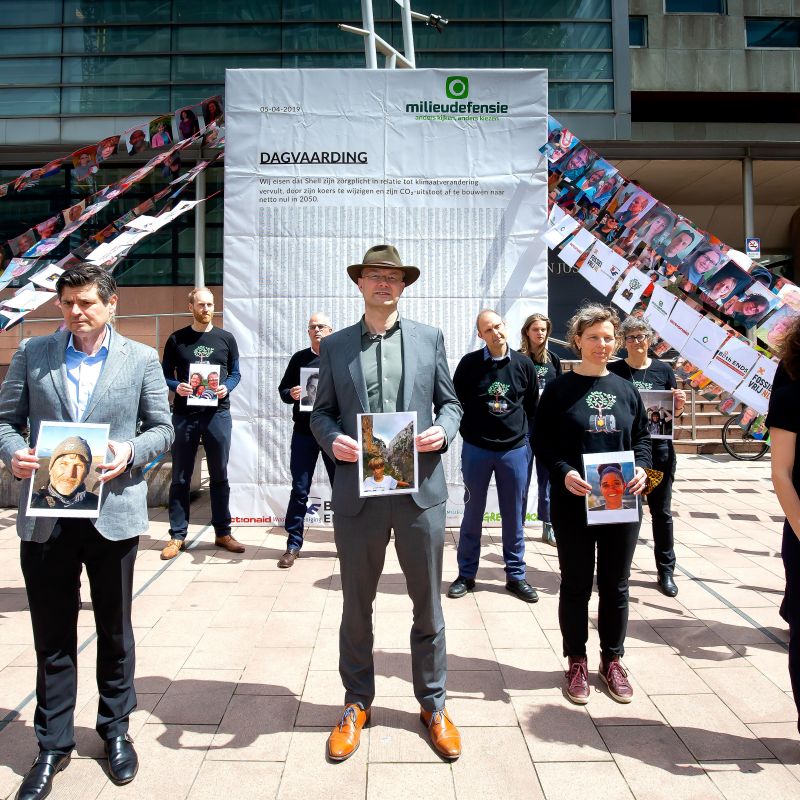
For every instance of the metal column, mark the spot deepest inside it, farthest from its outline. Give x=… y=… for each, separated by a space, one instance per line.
x=369 y=42
x=200 y=228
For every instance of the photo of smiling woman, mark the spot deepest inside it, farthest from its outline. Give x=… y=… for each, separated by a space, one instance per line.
x=590 y=411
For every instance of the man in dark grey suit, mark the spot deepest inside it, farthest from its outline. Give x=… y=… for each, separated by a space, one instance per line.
x=385 y=364
x=86 y=373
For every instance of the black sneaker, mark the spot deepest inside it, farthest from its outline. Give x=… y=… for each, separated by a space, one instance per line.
x=523 y=590
x=460 y=586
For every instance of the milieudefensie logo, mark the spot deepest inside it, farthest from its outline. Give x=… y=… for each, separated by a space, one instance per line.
x=456 y=89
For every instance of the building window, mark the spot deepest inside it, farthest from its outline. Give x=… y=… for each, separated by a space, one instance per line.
x=695 y=7
x=775 y=32
x=637 y=31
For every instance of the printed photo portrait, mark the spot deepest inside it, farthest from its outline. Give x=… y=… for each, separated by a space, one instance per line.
x=84 y=164
x=702 y=263
x=107 y=148
x=204 y=380
x=186 y=123
x=212 y=110
x=22 y=243
x=610 y=500
x=631 y=212
x=161 y=132
x=388 y=454
x=73 y=213
x=682 y=240
x=47 y=277
x=657 y=224
x=772 y=329
x=607 y=189
x=720 y=286
x=789 y=293
x=309 y=380
x=728 y=404
x=67 y=483
x=136 y=140
x=576 y=163
x=751 y=306
x=660 y=408
x=591 y=183
x=48 y=228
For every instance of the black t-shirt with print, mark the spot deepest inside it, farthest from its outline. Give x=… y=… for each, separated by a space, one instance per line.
x=657 y=377
x=580 y=414
x=547 y=371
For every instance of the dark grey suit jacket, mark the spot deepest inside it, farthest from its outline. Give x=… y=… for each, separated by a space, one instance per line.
x=342 y=393
x=130 y=395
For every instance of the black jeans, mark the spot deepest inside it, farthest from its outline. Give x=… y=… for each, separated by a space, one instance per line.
x=790 y=608
x=659 y=501
x=213 y=428
x=576 y=542
x=52 y=571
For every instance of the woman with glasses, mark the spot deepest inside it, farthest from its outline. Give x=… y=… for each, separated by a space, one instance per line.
x=591 y=410
x=651 y=374
x=535 y=334
x=783 y=422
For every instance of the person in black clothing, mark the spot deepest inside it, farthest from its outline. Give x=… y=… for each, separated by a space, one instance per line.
x=591 y=410
x=201 y=342
x=498 y=391
x=651 y=374
x=783 y=421
x=304 y=449
x=535 y=332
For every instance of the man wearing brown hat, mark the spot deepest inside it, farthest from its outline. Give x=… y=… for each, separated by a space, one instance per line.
x=387 y=364
x=69 y=465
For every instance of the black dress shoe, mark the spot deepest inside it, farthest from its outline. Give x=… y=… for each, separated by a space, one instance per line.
x=667 y=585
x=123 y=763
x=460 y=586
x=523 y=590
x=39 y=780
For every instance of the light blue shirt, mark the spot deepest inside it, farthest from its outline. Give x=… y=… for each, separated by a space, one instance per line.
x=83 y=372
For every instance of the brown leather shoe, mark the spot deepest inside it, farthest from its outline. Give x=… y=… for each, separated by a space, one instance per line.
x=172 y=549
x=288 y=558
x=346 y=736
x=444 y=734
x=230 y=544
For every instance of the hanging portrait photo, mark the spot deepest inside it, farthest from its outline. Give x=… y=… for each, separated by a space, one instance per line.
x=719 y=286
x=610 y=500
x=67 y=482
x=387 y=453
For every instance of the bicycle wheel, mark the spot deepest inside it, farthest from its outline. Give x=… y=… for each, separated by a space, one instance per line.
x=740 y=444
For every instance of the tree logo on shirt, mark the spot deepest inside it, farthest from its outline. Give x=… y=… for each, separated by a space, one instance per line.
x=643 y=385
x=498 y=391
x=202 y=352
x=600 y=422
x=541 y=375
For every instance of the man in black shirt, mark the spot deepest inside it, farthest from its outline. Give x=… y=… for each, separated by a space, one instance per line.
x=304 y=449
x=498 y=389
x=201 y=342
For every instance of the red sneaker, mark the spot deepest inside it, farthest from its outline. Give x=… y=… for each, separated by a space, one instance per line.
x=578 y=680
x=615 y=677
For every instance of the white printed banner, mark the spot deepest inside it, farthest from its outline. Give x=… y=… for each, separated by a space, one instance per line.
x=756 y=388
x=321 y=165
x=731 y=363
x=704 y=341
x=680 y=325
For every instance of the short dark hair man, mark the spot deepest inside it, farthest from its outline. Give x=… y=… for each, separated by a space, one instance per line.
x=201 y=341
x=69 y=465
x=498 y=390
x=85 y=373
x=303 y=449
x=385 y=364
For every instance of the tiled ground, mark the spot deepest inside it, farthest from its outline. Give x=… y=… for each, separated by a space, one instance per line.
x=238 y=685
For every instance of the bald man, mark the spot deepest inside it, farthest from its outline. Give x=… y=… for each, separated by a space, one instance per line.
x=304 y=449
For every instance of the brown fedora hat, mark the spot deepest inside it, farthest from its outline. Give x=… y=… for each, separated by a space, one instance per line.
x=386 y=256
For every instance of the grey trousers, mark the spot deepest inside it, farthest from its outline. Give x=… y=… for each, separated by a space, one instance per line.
x=361 y=544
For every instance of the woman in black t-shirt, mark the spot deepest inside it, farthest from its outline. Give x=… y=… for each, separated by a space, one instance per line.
x=590 y=410
x=647 y=373
x=535 y=332
x=783 y=421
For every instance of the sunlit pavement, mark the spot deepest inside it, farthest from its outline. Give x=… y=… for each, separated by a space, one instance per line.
x=238 y=685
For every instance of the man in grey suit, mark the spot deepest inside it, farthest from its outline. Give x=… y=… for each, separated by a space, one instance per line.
x=86 y=373
x=385 y=364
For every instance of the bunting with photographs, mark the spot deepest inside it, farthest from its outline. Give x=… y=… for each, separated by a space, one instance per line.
x=697 y=293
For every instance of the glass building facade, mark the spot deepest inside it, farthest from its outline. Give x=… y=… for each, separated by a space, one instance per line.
x=74 y=71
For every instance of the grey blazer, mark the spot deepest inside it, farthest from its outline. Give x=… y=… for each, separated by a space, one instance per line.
x=130 y=396
x=342 y=393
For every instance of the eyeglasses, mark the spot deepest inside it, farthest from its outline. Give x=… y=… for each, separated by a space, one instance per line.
x=320 y=327
x=638 y=338
x=392 y=279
